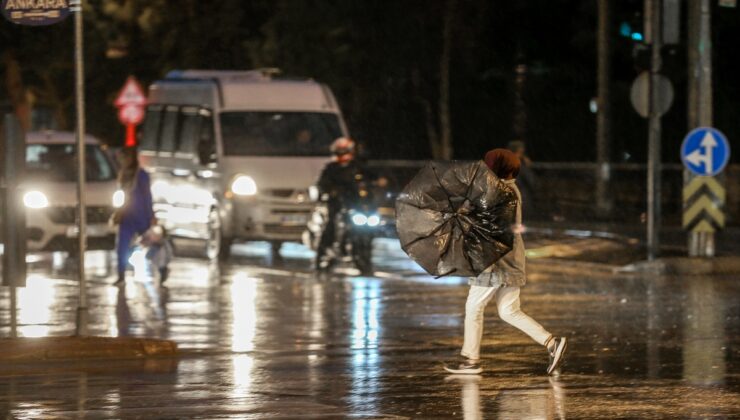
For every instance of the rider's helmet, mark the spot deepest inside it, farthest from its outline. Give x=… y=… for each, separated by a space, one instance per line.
x=343 y=149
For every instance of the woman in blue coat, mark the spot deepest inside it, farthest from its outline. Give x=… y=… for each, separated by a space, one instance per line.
x=136 y=215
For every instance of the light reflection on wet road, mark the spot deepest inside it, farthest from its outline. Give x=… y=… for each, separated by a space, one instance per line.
x=269 y=339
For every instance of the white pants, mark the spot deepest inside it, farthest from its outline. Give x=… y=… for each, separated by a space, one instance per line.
x=507 y=301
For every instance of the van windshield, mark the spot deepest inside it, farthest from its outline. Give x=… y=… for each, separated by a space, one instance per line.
x=278 y=133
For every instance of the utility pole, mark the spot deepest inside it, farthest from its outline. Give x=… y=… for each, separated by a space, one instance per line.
x=653 y=37
x=520 y=106
x=700 y=244
x=79 y=58
x=445 y=118
x=603 y=113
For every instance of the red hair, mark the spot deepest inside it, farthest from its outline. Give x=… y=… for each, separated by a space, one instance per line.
x=503 y=163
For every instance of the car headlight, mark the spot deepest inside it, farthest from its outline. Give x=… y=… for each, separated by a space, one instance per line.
x=359 y=219
x=119 y=197
x=35 y=200
x=373 y=220
x=244 y=185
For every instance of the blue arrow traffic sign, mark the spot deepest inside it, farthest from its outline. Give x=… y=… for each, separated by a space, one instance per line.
x=705 y=151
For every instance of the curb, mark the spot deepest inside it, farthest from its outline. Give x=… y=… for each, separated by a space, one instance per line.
x=566 y=265
x=580 y=233
x=687 y=266
x=69 y=348
x=679 y=266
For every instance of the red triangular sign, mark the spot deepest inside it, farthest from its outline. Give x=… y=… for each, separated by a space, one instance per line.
x=131 y=94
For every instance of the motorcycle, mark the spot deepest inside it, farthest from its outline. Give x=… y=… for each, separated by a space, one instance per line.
x=355 y=228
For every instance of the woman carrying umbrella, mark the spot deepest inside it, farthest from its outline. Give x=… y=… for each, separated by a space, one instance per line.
x=136 y=215
x=502 y=281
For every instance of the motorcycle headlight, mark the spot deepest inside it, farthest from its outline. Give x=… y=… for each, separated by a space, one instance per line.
x=373 y=220
x=359 y=219
x=35 y=200
x=119 y=197
x=244 y=185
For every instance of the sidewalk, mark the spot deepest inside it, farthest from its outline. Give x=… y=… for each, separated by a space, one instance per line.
x=603 y=245
x=45 y=349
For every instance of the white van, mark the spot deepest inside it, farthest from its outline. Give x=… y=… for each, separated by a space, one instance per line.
x=233 y=154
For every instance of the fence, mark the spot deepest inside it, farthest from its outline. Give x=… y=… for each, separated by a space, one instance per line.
x=566 y=190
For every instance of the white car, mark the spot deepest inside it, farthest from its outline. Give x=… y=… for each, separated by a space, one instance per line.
x=50 y=193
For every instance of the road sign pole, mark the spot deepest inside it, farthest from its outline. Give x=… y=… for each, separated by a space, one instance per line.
x=13 y=311
x=14 y=223
x=700 y=241
x=82 y=313
x=130 y=135
x=13 y=213
x=603 y=146
x=131 y=102
x=653 y=9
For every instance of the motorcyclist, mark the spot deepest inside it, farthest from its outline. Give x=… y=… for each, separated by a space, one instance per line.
x=341 y=183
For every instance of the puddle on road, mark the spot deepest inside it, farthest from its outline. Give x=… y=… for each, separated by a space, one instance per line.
x=373 y=347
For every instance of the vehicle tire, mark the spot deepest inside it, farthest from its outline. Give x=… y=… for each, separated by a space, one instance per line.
x=275 y=247
x=212 y=246
x=224 y=252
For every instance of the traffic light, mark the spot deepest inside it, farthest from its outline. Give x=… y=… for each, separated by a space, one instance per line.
x=628 y=30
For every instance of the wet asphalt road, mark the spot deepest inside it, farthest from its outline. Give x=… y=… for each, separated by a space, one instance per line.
x=269 y=339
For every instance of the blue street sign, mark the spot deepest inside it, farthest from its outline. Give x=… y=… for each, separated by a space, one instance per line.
x=35 y=12
x=705 y=151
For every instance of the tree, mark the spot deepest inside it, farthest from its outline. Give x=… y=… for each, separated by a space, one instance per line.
x=145 y=38
x=34 y=63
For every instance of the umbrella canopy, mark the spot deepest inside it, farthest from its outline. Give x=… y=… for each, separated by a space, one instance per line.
x=455 y=218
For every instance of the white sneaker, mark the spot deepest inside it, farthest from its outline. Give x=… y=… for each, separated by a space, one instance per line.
x=557 y=354
x=464 y=366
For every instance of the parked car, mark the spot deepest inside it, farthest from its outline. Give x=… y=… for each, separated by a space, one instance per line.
x=232 y=154
x=50 y=193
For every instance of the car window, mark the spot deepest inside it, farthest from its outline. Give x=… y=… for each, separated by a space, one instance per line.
x=150 y=131
x=168 y=136
x=189 y=131
x=58 y=163
x=206 y=146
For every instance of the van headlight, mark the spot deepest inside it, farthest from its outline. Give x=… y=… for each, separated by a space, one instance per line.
x=313 y=193
x=35 y=200
x=119 y=197
x=244 y=185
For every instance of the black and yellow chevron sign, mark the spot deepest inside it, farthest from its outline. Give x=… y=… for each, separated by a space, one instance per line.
x=703 y=205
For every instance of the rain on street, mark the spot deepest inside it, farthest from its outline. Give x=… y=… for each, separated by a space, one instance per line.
x=263 y=338
x=278 y=209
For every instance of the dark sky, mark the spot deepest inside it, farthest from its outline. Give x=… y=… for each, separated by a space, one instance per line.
x=558 y=39
x=382 y=61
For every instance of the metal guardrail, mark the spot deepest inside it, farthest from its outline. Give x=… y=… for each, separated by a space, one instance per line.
x=594 y=166
x=622 y=166
x=566 y=190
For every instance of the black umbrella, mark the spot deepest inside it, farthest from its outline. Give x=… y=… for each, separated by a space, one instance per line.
x=455 y=218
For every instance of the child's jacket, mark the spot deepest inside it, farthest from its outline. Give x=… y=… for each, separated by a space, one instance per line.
x=509 y=270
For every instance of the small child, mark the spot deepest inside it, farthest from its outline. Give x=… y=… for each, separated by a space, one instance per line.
x=159 y=252
x=502 y=280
